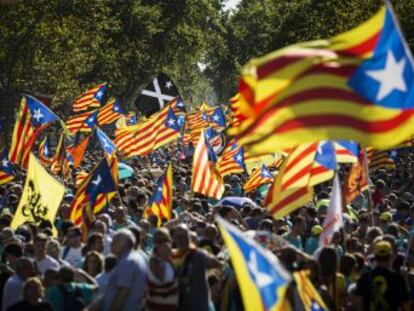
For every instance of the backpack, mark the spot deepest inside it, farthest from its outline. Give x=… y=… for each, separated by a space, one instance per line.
x=72 y=300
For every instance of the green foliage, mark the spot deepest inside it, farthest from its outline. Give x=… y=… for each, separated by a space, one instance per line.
x=61 y=47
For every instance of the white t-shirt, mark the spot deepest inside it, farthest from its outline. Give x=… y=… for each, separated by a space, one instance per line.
x=47 y=263
x=72 y=256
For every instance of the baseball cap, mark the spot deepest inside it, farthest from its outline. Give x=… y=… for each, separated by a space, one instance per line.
x=316 y=230
x=382 y=249
x=386 y=216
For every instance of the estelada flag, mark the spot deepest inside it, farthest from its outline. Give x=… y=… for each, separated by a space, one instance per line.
x=338 y=88
x=41 y=196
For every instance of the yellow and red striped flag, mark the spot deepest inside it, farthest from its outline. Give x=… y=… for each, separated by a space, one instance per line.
x=160 y=203
x=378 y=159
x=94 y=193
x=23 y=133
x=291 y=187
x=6 y=169
x=150 y=135
x=330 y=89
x=92 y=98
x=205 y=179
x=259 y=177
x=231 y=161
x=110 y=112
x=78 y=122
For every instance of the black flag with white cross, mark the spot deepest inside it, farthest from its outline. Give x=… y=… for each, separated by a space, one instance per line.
x=156 y=94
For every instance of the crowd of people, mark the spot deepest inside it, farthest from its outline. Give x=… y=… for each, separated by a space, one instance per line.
x=128 y=262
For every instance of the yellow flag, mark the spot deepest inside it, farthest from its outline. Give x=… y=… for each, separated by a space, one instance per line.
x=41 y=196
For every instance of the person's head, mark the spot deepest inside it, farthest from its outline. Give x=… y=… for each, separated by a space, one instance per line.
x=40 y=245
x=298 y=225
x=33 y=290
x=266 y=225
x=382 y=253
x=120 y=214
x=122 y=242
x=53 y=248
x=93 y=263
x=74 y=237
x=100 y=227
x=210 y=232
x=347 y=264
x=11 y=253
x=95 y=242
x=66 y=274
x=110 y=263
x=181 y=236
x=328 y=263
x=162 y=243
x=25 y=268
x=51 y=277
x=136 y=231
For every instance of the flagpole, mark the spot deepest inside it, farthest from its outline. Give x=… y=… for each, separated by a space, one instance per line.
x=370 y=201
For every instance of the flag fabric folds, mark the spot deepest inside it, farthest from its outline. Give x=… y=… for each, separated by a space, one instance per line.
x=308 y=294
x=44 y=152
x=110 y=112
x=333 y=219
x=93 y=194
x=32 y=118
x=78 y=122
x=91 y=98
x=77 y=151
x=380 y=159
x=258 y=178
x=41 y=196
x=156 y=95
x=331 y=89
x=262 y=280
x=231 y=160
x=160 y=203
x=346 y=151
x=6 y=168
x=356 y=181
x=324 y=165
x=150 y=135
x=205 y=179
x=106 y=143
x=291 y=188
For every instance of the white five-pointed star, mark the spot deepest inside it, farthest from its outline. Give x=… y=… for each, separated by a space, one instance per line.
x=171 y=122
x=97 y=181
x=320 y=146
x=215 y=118
x=116 y=108
x=37 y=115
x=239 y=158
x=105 y=142
x=168 y=84
x=159 y=189
x=4 y=163
x=262 y=279
x=99 y=94
x=391 y=77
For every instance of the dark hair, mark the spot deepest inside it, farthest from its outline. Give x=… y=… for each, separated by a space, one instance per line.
x=66 y=274
x=328 y=264
x=75 y=230
x=136 y=231
x=13 y=249
x=346 y=264
x=110 y=262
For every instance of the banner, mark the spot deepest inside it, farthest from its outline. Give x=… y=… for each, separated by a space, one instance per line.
x=41 y=196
